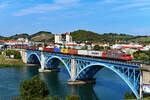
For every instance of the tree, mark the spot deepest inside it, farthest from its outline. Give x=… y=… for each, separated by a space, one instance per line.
x=135 y=55
x=97 y=47
x=142 y=56
x=16 y=54
x=72 y=97
x=55 y=98
x=33 y=88
x=128 y=95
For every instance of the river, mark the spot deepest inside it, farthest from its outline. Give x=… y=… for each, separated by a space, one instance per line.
x=108 y=85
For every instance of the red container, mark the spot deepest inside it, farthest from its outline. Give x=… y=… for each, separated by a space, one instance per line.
x=72 y=51
x=48 y=49
x=25 y=47
x=33 y=48
x=18 y=47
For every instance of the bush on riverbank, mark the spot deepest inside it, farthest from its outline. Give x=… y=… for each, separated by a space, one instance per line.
x=37 y=89
x=128 y=95
x=33 y=88
x=10 y=62
x=16 y=54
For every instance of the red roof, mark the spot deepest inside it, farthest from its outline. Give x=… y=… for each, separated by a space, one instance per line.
x=98 y=44
x=71 y=45
x=67 y=33
x=11 y=41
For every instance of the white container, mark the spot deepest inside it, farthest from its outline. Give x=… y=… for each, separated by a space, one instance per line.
x=40 y=48
x=95 y=53
x=146 y=88
x=82 y=52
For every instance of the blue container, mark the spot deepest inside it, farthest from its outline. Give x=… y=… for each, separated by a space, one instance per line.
x=29 y=47
x=57 y=50
x=36 y=48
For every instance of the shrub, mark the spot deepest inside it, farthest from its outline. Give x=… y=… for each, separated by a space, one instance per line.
x=55 y=98
x=72 y=97
x=33 y=88
x=16 y=54
x=128 y=95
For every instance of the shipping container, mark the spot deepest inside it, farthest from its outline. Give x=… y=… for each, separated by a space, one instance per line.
x=48 y=49
x=72 y=51
x=64 y=51
x=33 y=48
x=18 y=47
x=57 y=50
x=36 y=48
x=25 y=47
x=82 y=52
x=40 y=48
x=95 y=53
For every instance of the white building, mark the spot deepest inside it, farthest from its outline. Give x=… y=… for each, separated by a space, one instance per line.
x=127 y=46
x=58 y=38
x=63 y=40
x=68 y=38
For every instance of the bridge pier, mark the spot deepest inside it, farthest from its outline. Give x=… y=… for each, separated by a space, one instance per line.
x=24 y=55
x=80 y=82
x=42 y=63
x=45 y=68
x=74 y=73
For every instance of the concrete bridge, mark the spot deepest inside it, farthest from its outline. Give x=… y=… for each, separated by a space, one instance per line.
x=82 y=69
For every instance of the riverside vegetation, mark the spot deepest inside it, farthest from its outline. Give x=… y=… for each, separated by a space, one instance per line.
x=7 y=62
x=37 y=89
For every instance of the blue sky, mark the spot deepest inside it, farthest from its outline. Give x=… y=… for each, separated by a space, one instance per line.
x=59 y=16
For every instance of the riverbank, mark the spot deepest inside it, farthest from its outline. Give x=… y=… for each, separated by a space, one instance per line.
x=148 y=98
x=4 y=62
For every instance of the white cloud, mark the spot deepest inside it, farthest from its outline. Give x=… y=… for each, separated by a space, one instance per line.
x=44 y=8
x=132 y=5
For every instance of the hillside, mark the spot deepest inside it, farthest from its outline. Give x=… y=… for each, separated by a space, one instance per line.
x=42 y=36
x=82 y=35
x=143 y=39
x=14 y=37
x=39 y=36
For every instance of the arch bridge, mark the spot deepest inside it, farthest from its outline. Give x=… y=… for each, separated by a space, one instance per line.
x=83 y=69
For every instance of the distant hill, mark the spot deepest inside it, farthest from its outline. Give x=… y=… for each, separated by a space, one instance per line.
x=43 y=36
x=39 y=36
x=14 y=37
x=83 y=35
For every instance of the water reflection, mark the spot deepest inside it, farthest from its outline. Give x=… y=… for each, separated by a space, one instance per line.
x=108 y=85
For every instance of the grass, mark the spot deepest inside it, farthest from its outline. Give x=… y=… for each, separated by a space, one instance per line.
x=10 y=62
x=147 y=98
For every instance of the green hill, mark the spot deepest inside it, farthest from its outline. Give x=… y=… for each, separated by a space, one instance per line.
x=42 y=36
x=83 y=35
x=24 y=35
x=39 y=36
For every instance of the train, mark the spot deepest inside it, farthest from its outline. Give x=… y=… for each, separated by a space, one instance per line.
x=89 y=53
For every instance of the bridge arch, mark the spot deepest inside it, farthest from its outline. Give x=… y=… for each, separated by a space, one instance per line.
x=59 y=58
x=123 y=77
x=34 y=54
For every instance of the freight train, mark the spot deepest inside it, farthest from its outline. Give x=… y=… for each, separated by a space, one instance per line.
x=91 y=53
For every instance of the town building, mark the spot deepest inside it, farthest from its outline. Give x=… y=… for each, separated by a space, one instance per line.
x=63 y=39
x=127 y=46
x=58 y=39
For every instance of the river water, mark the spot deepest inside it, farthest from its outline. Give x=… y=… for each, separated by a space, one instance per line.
x=108 y=85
